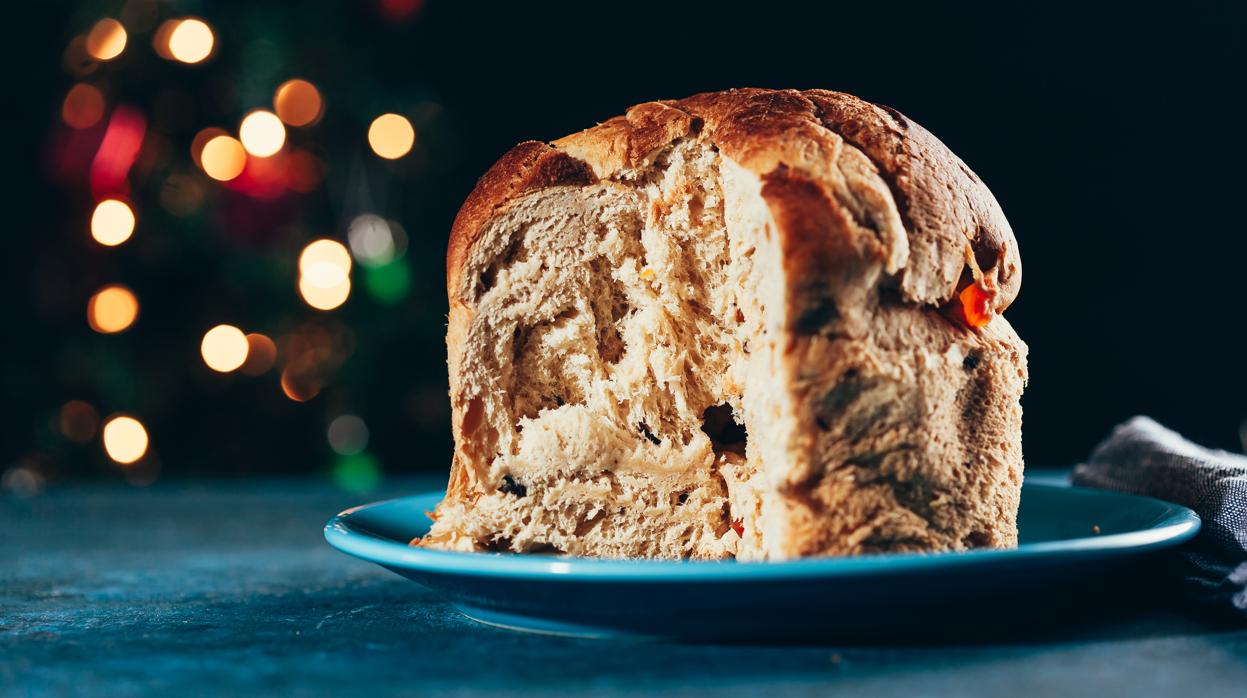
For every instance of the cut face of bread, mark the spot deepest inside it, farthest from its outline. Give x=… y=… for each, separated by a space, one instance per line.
x=664 y=342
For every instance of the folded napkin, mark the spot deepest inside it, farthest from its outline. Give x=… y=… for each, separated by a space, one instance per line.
x=1143 y=457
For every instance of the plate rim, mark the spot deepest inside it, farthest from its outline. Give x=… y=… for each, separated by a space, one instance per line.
x=1175 y=524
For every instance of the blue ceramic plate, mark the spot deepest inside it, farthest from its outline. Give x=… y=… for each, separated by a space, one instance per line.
x=1074 y=544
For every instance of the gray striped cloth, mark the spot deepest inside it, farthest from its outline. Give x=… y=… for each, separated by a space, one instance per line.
x=1143 y=457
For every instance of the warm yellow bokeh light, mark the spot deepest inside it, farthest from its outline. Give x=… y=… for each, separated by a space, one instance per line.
x=112 y=223
x=223 y=158
x=297 y=102
x=224 y=348
x=391 y=136
x=83 y=106
x=324 y=274
x=325 y=252
x=324 y=297
x=201 y=139
x=191 y=41
x=106 y=40
x=125 y=439
x=262 y=133
x=112 y=309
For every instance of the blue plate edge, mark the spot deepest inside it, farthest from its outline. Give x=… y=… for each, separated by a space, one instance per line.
x=1176 y=525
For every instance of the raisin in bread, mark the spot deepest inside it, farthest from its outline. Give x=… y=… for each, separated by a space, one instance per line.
x=755 y=323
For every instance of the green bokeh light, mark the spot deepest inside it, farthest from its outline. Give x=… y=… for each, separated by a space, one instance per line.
x=388 y=283
x=357 y=473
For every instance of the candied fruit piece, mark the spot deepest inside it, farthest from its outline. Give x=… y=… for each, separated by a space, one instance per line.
x=976 y=305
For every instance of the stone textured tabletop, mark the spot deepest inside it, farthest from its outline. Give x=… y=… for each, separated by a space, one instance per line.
x=229 y=588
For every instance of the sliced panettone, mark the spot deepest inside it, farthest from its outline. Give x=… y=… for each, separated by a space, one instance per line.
x=756 y=323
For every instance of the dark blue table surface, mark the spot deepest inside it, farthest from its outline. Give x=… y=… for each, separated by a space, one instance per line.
x=229 y=588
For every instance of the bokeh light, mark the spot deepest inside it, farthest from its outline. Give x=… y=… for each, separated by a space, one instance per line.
x=201 y=139
x=106 y=40
x=389 y=283
x=297 y=387
x=83 y=106
x=297 y=102
x=324 y=274
x=223 y=158
x=347 y=435
x=112 y=309
x=118 y=150
x=357 y=473
x=371 y=240
x=160 y=38
x=112 y=222
x=264 y=177
x=79 y=421
x=326 y=260
x=261 y=355
x=190 y=41
x=391 y=136
x=224 y=348
x=23 y=480
x=324 y=297
x=164 y=104
x=262 y=133
x=125 y=439
x=310 y=354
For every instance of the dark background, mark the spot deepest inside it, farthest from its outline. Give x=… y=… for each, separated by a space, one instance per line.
x=1110 y=135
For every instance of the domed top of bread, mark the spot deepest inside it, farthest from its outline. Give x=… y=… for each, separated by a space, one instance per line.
x=954 y=230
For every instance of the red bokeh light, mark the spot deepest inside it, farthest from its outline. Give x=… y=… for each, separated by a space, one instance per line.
x=118 y=150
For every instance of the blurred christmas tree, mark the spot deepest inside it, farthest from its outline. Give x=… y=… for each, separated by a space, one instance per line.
x=247 y=274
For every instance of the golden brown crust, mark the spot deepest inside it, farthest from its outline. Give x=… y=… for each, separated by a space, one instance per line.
x=945 y=208
x=624 y=142
x=943 y=203
x=528 y=166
